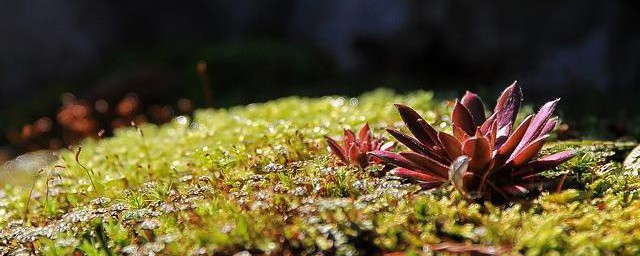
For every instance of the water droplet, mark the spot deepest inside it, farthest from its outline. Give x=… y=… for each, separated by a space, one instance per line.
x=182 y=120
x=338 y=102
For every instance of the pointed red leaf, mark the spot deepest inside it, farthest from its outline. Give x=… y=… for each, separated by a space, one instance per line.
x=508 y=105
x=537 y=124
x=432 y=133
x=363 y=146
x=427 y=164
x=463 y=119
x=408 y=141
x=492 y=135
x=416 y=146
x=488 y=123
x=354 y=155
x=410 y=174
x=512 y=142
x=475 y=106
x=552 y=160
x=410 y=118
x=337 y=150
x=394 y=159
x=549 y=126
x=528 y=152
x=348 y=139
x=450 y=144
x=365 y=133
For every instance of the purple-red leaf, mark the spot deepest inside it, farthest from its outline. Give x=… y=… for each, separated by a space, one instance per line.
x=463 y=119
x=410 y=174
x=537 y=124
x=408 y=141
x=336 y=149
x=427 y=164
x=432 y=133
x=549 y=126
x=488 y=123
x=348 y=139
x=553 y=160
x=394 y=159
x=494 y=136
x=475 y=106
x=410 y=118
x=450 y=144
x=512 y=142
x=415 y=145
x=354 y=154
x=528 y=152
x=365 y=133
x=508 y=105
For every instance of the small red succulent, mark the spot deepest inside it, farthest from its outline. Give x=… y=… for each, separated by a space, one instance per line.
x=484 y=158
x=354 y=149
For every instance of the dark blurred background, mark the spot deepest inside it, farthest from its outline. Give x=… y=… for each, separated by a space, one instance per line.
x=142 y=60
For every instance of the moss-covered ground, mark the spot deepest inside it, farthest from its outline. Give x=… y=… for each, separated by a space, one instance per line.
x=259 y=179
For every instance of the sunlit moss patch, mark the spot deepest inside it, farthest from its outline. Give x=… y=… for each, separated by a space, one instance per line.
x=259 y=179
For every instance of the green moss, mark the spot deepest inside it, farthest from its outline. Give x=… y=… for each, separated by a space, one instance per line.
x=258 y=178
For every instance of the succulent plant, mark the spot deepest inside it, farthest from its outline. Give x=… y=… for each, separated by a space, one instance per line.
x=484 y=158
x=354 y=149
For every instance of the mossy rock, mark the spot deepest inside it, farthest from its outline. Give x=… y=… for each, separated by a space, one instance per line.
x=258 y=179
